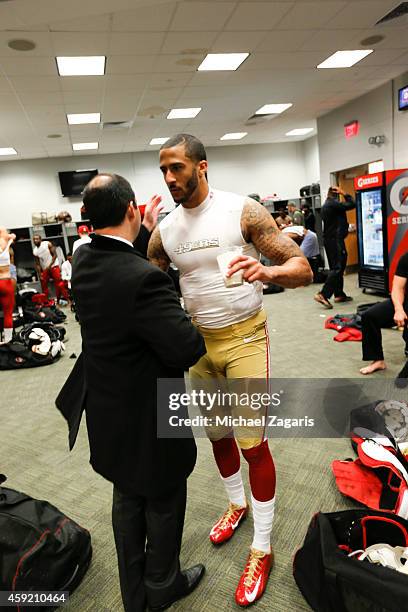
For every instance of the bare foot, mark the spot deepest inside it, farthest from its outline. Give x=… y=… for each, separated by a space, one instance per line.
x=373 y=367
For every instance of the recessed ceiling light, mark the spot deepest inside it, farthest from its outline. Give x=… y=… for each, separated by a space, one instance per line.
x=85 y=146
x=183 y=113
x=372 y=40
x=299 y=132
x=77 y=118
x=345 y=59
x=92 y=65
x=159 y=141
x=7 y=151
x=234 y=136
x=21 y=44
x=223 y=61
x=273 y=109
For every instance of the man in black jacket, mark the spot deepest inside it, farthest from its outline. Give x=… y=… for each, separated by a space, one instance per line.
x=334 y=233
x=134 y=332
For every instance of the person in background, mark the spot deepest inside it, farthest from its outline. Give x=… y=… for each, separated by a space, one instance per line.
x=335 y=231
x=13 y=269
x=47 y=266
x=283 y=220
x=386 y=314
x=84 y=237
x=7 y=287
x=66 y=273
x=308 y=242
x=295 y=214
x=309 y=217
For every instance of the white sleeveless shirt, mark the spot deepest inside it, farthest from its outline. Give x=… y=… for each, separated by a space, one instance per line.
x=192 y=239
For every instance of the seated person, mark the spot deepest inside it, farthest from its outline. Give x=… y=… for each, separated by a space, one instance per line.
x=283 y=220
x=309 y=245
x=387 y=314
x=309 y=217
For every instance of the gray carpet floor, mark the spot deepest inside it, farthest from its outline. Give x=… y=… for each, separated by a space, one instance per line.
x=36 y=460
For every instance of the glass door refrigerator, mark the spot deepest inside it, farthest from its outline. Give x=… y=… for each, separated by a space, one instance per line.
x=382 y=226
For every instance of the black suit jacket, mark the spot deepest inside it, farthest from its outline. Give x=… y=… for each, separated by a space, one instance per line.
x=133 y=332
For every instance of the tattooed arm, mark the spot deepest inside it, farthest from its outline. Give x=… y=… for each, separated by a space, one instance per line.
x=290 y=267
x=156 y=253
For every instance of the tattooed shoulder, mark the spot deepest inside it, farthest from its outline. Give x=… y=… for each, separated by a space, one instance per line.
x=155 y=251
x=256 y=218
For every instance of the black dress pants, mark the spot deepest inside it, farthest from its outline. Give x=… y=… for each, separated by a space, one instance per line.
x=373 y=319
x=148 y=536
x=337 y=258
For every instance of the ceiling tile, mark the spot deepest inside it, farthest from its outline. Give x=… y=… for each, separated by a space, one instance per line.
x=360 y=14
x=142 y=44
x=144 y=19
x=188 y=43
x=97 y=23
x=283 y=40
x=201 y=16
x=36 y=83
x=82 y=83
x=124 y=82
x=27 y=66
x=77 y=43
x=310 y=15
x=383 y=57
x=328 y=40
x=258 y=15
x=130 y=64
x=177 y=63
x=39 y=98
x=237 y=42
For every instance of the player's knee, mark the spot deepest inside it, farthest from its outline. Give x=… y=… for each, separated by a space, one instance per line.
x=257 y=454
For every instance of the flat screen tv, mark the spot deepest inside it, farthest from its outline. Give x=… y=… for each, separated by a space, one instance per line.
x=74 y=182
x=403 y=98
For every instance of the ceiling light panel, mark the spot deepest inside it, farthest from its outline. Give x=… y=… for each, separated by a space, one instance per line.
x=345 y=59
x=183 y=113
x=8 y=151
x=92 y=65
x=299 y=132
x=234 y=136
x=83 y=118
x=159 y=141
x=273 y=109
x=223 y=61
x=85 y=146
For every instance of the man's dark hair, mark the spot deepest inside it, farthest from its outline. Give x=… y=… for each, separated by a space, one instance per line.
x=106 y=202
x=194 y=148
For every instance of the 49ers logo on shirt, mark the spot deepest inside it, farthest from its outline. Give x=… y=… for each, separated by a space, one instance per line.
x=205 y=243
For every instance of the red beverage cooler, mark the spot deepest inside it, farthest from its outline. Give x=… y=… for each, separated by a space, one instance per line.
x=382 y=226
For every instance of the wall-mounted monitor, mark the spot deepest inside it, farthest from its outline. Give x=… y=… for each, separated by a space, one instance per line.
x=74 y=182
x=403 y=98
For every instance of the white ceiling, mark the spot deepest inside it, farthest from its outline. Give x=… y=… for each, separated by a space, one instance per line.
x=153 y=49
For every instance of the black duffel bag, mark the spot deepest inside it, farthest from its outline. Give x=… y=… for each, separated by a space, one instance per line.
x=331 y=581
x=41 y=549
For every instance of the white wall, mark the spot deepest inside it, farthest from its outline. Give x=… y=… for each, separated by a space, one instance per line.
x=377 y=112
x=32 y=185
x=310 y=149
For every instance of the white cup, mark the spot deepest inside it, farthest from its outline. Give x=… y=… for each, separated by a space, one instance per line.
x=224 y=259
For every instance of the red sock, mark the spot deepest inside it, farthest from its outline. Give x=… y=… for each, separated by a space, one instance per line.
x=226 y=456
x=262 y=476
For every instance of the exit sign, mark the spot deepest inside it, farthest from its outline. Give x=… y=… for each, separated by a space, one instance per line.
x=351 y=129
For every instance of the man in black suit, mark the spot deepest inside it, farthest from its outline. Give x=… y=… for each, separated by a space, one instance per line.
x=134 y=331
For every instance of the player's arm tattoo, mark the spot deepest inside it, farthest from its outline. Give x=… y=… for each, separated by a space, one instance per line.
x=156 y=253
x=259 y=227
